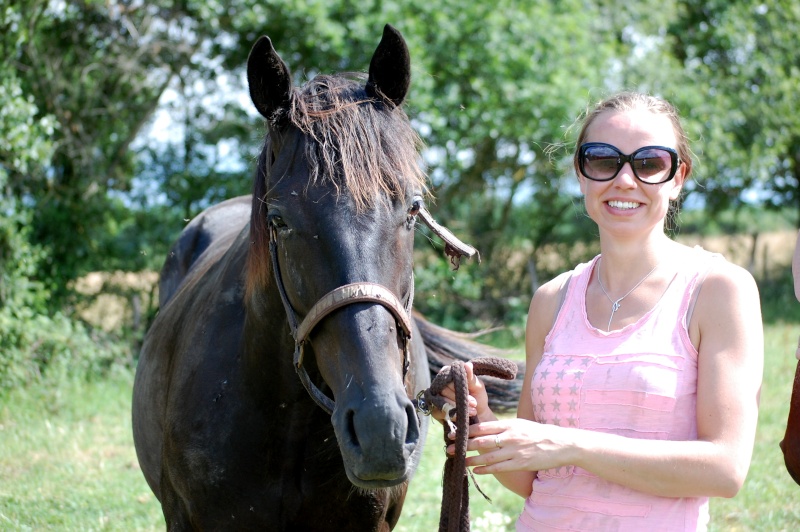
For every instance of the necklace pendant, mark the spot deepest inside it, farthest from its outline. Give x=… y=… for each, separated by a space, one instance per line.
x=615 y=306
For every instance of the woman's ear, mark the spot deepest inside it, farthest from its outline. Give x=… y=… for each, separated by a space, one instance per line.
x=677 y=182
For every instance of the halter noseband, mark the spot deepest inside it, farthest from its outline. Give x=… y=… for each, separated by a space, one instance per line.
x=335 y=299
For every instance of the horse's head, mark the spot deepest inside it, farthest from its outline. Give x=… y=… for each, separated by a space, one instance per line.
x=335 y=201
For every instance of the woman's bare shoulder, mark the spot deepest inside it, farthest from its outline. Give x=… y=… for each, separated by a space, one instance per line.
x=550 y=293
x=544 y=305
x=728 y=290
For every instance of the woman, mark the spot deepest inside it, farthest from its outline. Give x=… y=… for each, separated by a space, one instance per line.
x=643 y=366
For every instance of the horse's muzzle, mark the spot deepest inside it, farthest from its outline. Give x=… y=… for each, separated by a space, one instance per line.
x=377 y=437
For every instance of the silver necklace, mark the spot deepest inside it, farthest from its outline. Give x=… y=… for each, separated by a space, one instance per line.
x=616 y=304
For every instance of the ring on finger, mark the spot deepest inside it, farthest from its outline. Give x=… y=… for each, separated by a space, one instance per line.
x=497 y=441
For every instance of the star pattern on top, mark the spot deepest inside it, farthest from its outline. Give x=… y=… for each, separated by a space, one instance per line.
x=556 y=391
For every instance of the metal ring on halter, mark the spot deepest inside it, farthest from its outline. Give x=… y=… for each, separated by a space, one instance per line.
x=422 y=404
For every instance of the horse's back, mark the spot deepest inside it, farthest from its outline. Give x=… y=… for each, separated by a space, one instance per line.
x=212 y=229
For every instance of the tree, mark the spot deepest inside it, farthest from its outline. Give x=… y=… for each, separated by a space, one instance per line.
x=495 y=89
x=32 y=343
x=742 y=61
x=99 y=69
x=25 y=149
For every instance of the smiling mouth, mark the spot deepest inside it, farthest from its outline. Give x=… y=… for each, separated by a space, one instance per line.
x=623 y=205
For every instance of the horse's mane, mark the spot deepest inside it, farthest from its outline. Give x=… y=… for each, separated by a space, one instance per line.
x=362 y=145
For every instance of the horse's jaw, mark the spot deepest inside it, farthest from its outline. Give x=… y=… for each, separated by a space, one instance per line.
x=790 y=445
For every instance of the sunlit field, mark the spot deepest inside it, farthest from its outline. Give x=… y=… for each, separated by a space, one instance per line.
x=67 y=463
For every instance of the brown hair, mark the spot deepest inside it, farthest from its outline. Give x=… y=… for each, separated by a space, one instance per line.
x=628 y=101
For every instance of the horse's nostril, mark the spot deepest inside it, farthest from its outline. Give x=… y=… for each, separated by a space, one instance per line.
x=412 y=432
x=350 y=427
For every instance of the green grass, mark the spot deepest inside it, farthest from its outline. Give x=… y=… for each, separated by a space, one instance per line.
x=769 y=499
x=67 y=463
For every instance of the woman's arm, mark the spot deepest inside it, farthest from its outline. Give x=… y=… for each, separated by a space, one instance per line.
x=726 y=326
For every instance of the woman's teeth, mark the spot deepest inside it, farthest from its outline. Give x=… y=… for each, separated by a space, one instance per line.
x=623 y=204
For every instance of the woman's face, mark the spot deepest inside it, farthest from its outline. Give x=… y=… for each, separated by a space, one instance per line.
x=624 y=205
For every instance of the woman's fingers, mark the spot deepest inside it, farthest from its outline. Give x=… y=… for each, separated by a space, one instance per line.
x=483 y=437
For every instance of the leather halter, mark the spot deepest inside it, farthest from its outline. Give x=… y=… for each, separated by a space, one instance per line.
x=359 y=293
x=335 y=299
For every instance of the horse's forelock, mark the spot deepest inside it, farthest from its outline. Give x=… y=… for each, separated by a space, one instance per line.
x=362 y=146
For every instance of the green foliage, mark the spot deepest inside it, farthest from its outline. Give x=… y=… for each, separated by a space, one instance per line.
x=746 y=219
x=34 y=344
x=496 y=87
x=742 y=64
x=778 y=303
x=25 y=146
x=36 y=348
x=98 y=70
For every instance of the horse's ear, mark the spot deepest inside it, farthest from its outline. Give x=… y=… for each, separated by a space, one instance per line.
x=390 y=68
x=269 y=79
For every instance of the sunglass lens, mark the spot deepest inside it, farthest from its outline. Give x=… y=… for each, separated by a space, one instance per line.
x=652 y=164
x=600 y=162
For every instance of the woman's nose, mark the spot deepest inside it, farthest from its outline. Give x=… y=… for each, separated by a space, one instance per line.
x=625 y=177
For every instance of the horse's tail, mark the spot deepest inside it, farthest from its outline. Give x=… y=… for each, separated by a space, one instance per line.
x=444 y=346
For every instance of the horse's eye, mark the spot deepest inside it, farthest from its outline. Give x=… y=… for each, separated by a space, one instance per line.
x=276 y=221
x=415 y=207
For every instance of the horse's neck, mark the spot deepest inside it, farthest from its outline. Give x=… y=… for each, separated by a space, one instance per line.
x=269 y=345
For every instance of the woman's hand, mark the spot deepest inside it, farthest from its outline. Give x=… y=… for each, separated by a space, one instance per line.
x=477 y=400
x=516 y=445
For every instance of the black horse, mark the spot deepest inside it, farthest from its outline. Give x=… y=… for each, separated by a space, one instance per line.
x=246 y=416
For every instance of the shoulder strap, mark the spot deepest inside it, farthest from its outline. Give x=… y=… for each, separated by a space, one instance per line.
x=562 y=295
x=709 y=264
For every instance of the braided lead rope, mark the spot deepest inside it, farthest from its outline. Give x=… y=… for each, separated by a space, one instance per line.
x=454 y=516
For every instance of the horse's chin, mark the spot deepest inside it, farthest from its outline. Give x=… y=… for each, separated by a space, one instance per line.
x=376 y=483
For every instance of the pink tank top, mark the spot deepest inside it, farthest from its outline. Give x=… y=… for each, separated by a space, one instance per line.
x=640 y=382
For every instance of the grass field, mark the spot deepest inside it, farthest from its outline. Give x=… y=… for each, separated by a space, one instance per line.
x=67 y=463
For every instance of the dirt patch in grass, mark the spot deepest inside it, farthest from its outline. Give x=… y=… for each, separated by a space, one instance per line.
x=114 y=301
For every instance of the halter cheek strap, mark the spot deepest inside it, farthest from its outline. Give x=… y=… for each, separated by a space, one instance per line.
x=337 y=298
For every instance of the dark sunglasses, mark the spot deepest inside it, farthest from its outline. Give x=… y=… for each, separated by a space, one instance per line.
x=651 y=164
